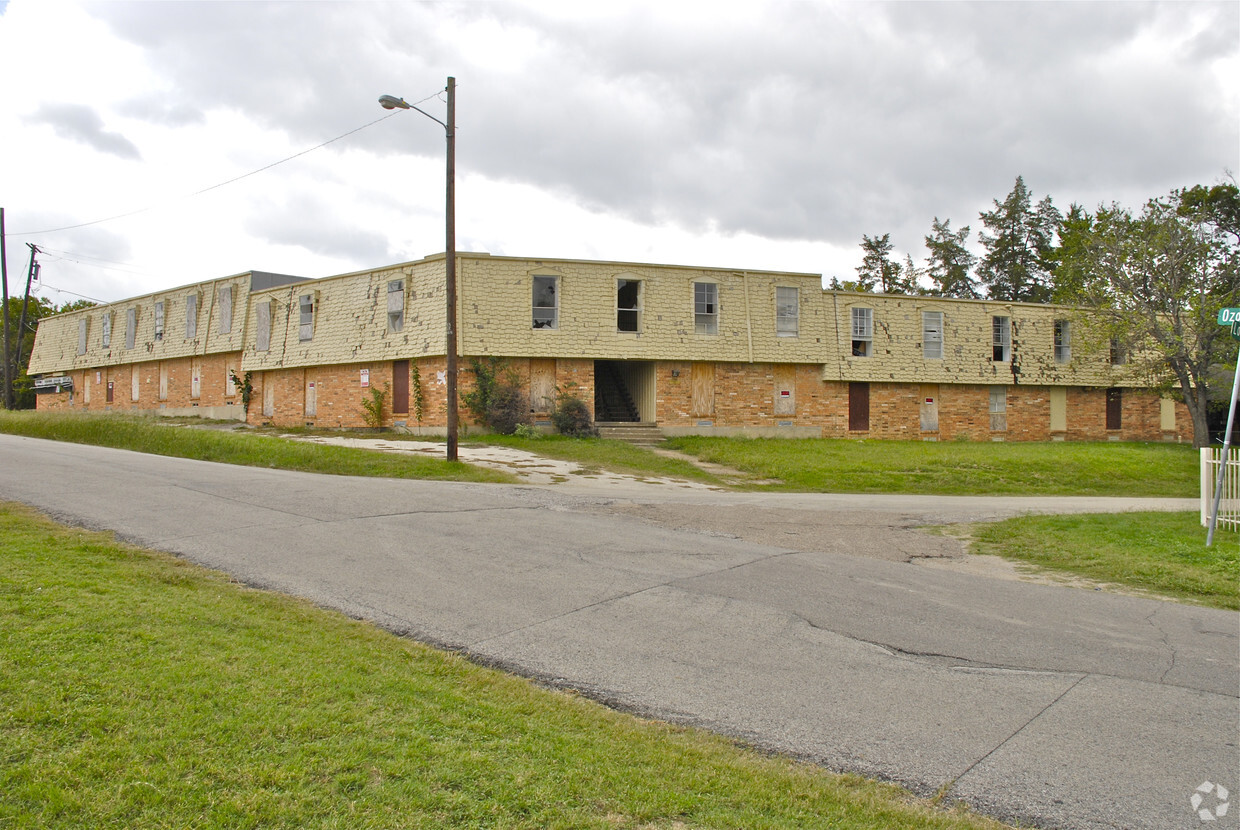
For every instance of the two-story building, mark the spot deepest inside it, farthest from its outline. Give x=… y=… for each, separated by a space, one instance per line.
x=690 y=350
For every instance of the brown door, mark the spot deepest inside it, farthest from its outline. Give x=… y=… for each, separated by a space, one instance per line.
x=1115 y=408
x=400 y=387
x=859 y=407
x=109 y=397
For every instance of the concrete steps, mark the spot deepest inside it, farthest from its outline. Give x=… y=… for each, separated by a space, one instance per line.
x=643 y=435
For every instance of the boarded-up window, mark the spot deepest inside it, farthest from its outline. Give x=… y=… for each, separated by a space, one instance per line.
x=269 y=395
x=312 y=399
x=396 y=305
x=135 y=383
x=159 y=320
x=998 y=409
x=195 y=378
x=785 y=390
x=263 y=334
x=787 y=311
x=1115 y=408
x=131 y=328
x=226 y=309
x=542 y=385
x=105 y=323
x=305 y=329
x=191 y=316
x=400 y=387
x=83 y=327
x=929 y=409
x=859 y=407
x=932 y=335
x=703 y=389
x=86 y=387
x=163 y=381
x=230 y=384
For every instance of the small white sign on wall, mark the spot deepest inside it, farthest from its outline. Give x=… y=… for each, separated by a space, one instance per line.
x=365 y=378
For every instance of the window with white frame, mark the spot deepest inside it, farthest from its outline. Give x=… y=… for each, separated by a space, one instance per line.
x=545 y=302
x=105 y=325
x=998 y=408
x=1001 y=339
x=862 y=332
x=191 y=316
x=396 y=305
x=932 y=335
x=262 y=335
x=305 y=330
x=628 y=305
x=1063 y=341
x=705 y=308
x=83 y=327
x=787 y=311
x=159 y=320
x=131 y=327
x=226 y=308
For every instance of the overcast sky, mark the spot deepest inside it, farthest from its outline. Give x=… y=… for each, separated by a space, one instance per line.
x=753 y=135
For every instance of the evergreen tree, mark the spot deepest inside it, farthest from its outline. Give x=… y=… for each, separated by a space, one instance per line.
x=950 y=262
x=1020 y=248
x=879 y=271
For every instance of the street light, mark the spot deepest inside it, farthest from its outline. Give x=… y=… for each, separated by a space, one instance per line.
x=389 y=102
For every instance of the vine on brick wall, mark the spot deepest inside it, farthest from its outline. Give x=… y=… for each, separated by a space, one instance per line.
x=419 y=402
x=246 y=387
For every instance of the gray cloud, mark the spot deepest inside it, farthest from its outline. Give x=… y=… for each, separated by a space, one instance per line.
x=78 y=122
x=306 y=221
x=814 y=121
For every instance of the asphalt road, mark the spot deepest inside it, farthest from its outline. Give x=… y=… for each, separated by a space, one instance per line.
x=794 y=622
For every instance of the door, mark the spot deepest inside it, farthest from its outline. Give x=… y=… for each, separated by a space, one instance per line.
x=859 y=407
x=929 y=407
x=400 y=387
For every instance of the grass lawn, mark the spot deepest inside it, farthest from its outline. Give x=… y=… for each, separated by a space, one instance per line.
x=141 y=691
x=159 y=437
x=1164 y=553
x=957 y=468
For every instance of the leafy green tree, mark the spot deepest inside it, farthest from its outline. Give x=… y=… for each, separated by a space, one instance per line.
x=22 y=343
x=1158 y=279
x=879 y=271
x=1020 y=248
x=950 y=263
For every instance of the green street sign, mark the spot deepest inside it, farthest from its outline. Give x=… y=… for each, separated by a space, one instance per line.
x=1227 y=316
x=1235 y=330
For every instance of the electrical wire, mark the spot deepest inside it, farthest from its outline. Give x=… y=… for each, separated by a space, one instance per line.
x=224 y=183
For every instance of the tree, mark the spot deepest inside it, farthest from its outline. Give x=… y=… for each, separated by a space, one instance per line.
x=1020 y=248
x=879 y=270
x=22 y=343
x=950 y=262
x=1159 y=279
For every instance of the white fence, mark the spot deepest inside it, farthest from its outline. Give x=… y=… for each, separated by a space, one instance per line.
x=1229 y=507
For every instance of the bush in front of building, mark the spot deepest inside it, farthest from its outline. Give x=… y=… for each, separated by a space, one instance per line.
x=571 y=416
x=496 y=399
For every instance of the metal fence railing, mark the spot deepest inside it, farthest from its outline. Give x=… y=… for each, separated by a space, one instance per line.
x=1229 y=505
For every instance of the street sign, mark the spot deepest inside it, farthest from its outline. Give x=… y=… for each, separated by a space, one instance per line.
x=1235 y=330
x=1227 y=316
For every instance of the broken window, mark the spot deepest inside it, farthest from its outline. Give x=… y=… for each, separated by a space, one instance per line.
x=1063 y=341
x=546 y=303
x=395 y=305
x=705 y=308
x=998 y=409
x=1001 y=339
x=159 y=320
x=628 y=305
x=106 y=325
x=932 y=335
x=305 y=330
x=862 y=332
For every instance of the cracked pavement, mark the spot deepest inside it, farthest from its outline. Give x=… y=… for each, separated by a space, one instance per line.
x=792 y=622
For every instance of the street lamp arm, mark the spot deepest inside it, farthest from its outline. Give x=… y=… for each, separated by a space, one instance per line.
x=391 y=102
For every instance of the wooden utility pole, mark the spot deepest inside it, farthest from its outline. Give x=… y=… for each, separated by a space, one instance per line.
x=4 y=276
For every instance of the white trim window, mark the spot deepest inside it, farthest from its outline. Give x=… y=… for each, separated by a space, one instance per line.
x=1000 y=339
x=305 y=320
x=395 y=305
x=863 y=332
x=932 y=335
x=705 y=308
x=545 y=302
x=1063 y=341
x=159 y=319
x=628 y=305
x=787 y=311
x=998 y=409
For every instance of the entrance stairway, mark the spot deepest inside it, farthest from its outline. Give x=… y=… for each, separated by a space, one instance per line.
x=643 y=435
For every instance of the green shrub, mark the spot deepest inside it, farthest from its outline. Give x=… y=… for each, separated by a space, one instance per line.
x=571 y=416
